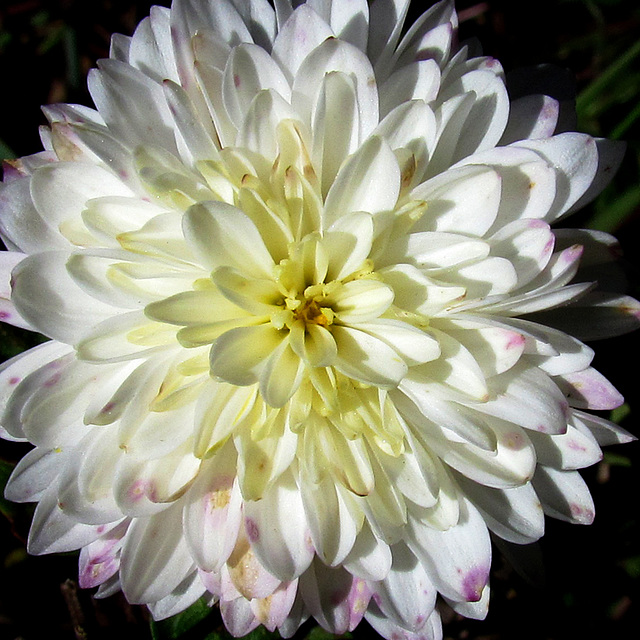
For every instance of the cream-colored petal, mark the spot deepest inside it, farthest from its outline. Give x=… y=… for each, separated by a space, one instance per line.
x=240 y=355
x=224 y=236
x=359 y=301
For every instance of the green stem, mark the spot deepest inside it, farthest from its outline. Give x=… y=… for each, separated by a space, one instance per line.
x=590 y=93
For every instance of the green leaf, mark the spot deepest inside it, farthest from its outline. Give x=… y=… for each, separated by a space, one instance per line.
x=616 y=460
x=318 y=633
x=609 y=216
x=613 y=74
x=632 y=566
x=626 y=123
x=177 y=626
x=620 y=413
x=6 y=153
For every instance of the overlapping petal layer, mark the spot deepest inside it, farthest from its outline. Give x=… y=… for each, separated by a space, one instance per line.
x=307 y=317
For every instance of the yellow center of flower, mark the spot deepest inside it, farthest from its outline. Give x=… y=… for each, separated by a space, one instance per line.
x=310 y=312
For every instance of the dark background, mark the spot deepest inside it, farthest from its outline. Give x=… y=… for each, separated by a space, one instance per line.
x=592 y=574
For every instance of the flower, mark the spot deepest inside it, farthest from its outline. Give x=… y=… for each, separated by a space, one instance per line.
x=306 y=315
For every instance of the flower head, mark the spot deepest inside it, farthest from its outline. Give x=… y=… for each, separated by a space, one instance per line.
x=307 y=317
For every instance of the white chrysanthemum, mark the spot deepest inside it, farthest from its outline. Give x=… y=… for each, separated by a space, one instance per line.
x=298 y=276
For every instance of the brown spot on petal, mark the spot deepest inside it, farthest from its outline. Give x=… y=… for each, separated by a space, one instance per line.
x=251 y=527
x=243 y=568
x=514 y=441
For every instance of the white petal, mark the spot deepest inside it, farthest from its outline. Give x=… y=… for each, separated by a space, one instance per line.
x=8 y=312
x=488 y=116
x=458 y=424
x=431 y=630
x=515 y=514
x=430 y=36
x=239 y=355
x=198 y=138
x=509 y=464
x=457 y=560
x=451 y=117
x=33 y=474
x=336 y=55
x=575 y=158
x=334 y=597
x=491 y=276
x=155 y=557
x=386 y=18
x=151 y=50
x=528 y=182
x=51 y=402
x=23 y=227
x=124 y=337
x=128 y=100
x=474 y=610
x=277 y=529
x=435 y=250
x=260 y=19
x=456 y=369
x=50 y=301
x=598 y=315
x=564 y=495
x=349 y=21
x=297 y=37
x=52 y=531
x=281 y=375
x=531 y=117
x=414 y=291
x=415 y=346
x=85 y=491
x=16 y=369
x=212 y=515
x=333 y=529
x=368 y=359
x=411 y=126
x=219 y=410
x=238 y=616
x=61 y=191
x=211 y=79
x=224 y=236
x=360 y=301
x=348 y=243
x=368 y=181
x=100 y=560
x=419 y=80
x=146 y=487
x=336 y=126
x=495 y=348
x=250 y=69
x=244 y=574
x=259 y=129
x=158 y=433
x=574 y=449
x=180 y=599
x=527 y=244
x=605 y=431
x=589 y=389
x=274 y=610
x=370 y=557
x=454 y=195
x=529 y=398
x=313 y=344
x=406 y=595
x=261 y=461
